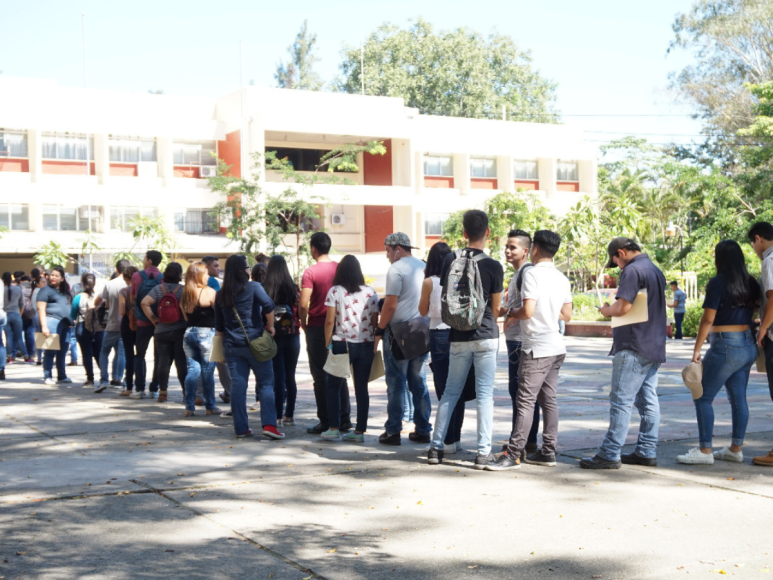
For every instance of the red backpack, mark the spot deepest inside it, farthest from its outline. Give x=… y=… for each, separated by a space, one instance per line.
x=168 y=307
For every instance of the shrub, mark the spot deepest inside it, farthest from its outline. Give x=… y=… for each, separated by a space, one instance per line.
x=584 y=308
x=692 y=317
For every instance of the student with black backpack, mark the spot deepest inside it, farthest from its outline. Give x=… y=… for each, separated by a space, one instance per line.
x=143 y=282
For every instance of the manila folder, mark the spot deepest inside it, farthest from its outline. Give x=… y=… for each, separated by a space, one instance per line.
x=50 y=342
x=637 y=313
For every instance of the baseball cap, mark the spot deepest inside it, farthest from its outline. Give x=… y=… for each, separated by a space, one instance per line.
x=692 y=375
x=614 y=246
x=399 y=239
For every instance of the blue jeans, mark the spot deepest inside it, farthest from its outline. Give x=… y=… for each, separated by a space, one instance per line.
x=513 y=361
x=91 y=344
x=197 y=345
x=240 y=361
x=439 y=349
x=361 y=358
x=286 y=360
x=678 y=319
x=73 y=344
x=400 y=373
x=14 y=335
x=28 y=329
x=62 y=328
x=634 y=382
x=36 y=324
x=112 y=340
x=727 y=362
x=2 y=345
x=483 y=354
x=407 y=408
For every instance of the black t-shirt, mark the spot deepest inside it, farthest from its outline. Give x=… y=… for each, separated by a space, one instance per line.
x=492 y=277
x=729 y=314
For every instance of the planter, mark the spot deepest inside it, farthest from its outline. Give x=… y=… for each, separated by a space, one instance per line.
x=599 y=328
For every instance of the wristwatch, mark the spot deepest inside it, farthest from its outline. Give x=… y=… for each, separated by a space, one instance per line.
x=380 y=331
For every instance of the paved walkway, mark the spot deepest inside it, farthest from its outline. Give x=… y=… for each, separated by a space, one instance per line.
x=96 y=486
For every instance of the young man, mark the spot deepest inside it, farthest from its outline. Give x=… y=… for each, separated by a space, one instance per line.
x=517 y=255
x=402 y=293
x=213 y=269
x=112 y=337
x=679 y=306
x=761 y=238
x=144 y=327
x=317 y=281
x=547 y=298
x=468 y=347
x=638 y=351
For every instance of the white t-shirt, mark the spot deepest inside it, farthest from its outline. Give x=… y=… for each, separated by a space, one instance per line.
x=551 y=290
x=435 y=308
x=766 y=281
x=353 y=313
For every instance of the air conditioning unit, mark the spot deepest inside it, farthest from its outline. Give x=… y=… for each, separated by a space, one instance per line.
x=339 y=219
x=207 y=171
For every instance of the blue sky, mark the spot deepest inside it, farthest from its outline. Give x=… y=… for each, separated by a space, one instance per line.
x=608 y=57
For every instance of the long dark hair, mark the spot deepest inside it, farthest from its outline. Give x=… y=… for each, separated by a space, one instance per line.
x=173 y=273
x=88 y=281
x=740 y=288
x=234 y=280
x=349 y=274
x=278 y=283
x=258 y=273
x=7 y=283
x=64 y=287
x=435 y=259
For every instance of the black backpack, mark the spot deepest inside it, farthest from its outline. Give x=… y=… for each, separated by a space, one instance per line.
x=284 y=322
x=519 y=280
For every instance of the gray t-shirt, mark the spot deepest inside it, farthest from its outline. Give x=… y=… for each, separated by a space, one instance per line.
x=404 y=280
x=513 y=331
x=157 y=294
x=110 y=294
x=13 y=300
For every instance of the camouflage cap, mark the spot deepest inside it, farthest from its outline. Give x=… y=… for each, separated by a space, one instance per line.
x=399 y=239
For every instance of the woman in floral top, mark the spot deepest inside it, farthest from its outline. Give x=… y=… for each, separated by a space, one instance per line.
x=352 y=316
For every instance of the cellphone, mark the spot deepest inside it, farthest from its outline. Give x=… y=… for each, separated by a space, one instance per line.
x=599 y=307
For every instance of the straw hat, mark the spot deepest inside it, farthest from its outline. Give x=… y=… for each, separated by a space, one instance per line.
x=692 y=375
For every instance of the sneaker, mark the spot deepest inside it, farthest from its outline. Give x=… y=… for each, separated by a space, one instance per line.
x=502 y=463
x=636 y=459
x=531 y=447
x=125 y=393
x=387 y=439
x=435 y=456
x=725 y=454
x=288 y=421
x=88 y=383
x=2 y=375
x=597 y=462
x=247 y=433
x=49 y=382
x=272 y=432
x=100 y=388
x=331 y=435
x=40 y=362
x=154 y=394
x=481 y=461
x=317 y=429
x=541 y=458
x=116 y=383
x=223 y=397
x=199 y=402
x=73 y=363
x=764 y=460
x=226 y=414
x=353 y=437
x=418 y=437
x=64 y=381
x=214 y=411
x=451 y=449
x=189 y=413
x=696 y=457
x=138 y=395
x=347 y=426
x=29 y=360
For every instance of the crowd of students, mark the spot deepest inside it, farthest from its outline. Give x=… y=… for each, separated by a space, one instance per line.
x=446 y=309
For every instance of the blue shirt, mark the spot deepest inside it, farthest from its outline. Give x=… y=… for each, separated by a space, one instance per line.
x=251 y=304
x=213 y=283
x=57 y=304
x=680 y=298
x=729 y=314
x=645 y=338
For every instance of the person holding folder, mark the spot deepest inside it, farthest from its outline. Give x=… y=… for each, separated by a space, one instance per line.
x=638 y=347
x=53 y=304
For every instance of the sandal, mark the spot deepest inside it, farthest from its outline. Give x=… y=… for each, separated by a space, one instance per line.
x=214 y=411
x=191 y=414
x=162 y=397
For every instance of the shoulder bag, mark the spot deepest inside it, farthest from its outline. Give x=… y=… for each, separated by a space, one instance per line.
x=263 y=348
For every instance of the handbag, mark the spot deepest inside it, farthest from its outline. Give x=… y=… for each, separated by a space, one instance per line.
x=376 y=367
x=338 y=364
x=263 y=348
x=412 y=337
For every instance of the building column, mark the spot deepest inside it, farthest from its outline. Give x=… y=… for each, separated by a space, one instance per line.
x=402 y=162
x=461 y=163
x=588 y=174
x=102 y=158
x=418 y=171
x=546 y=170
x=35 y=153
x=165 y=160
x=35 y=217
x=505 y=174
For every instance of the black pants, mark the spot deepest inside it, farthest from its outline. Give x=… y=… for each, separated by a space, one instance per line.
x=128 y=337
x=169 y=346
x=767 y=346
x=144 y=334
x=678 y=319
x=317 y=351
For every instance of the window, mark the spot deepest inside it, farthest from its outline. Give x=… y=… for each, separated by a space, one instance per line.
x=196 y=221
x=525 y=170
x=121 y=217
x=433 y=223
x=435 y=165
x=13 y=144
x=483 y=167
x=66 y=146
x=14 y=216
x=71 y=218
x=566 y=171
x=194 y=153
x=126 y=150
x=300 y=159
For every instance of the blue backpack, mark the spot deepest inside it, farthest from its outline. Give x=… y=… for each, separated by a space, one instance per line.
x=147 y=284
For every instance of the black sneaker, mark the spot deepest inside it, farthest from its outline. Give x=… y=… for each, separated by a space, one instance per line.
x=531 y=447
x=418 y=437
x=2 y=375
x=434 y=456
x=225 y=398
x=540 y=458
x=597 y=462
x=347 y=426
x=501 y=463
x=481 y=461
x=635 y=459
x=317 y=429
x=388 y=439
x=116 y=383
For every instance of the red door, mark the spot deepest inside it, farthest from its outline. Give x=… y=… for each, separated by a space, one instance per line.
x=378 y=225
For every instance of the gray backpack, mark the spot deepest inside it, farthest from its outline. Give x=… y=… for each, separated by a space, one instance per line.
x=462 y=302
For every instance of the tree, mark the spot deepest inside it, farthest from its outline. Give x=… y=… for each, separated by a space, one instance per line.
x=149 y=234
x=298 y=72
x=52 y=254
x=458 y=73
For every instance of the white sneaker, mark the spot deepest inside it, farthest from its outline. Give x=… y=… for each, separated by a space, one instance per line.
x=137 y=395
x=725 y=454
x=64 y=381
x=154 y=394
x=451 y=449
x=695 y=457
x=49 y=382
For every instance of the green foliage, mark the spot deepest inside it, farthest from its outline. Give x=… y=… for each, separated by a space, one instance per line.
x=52 y=254
x=692 y=317
x=458 y=73
x=298 y=72
x=149 y=234
x=584 y=308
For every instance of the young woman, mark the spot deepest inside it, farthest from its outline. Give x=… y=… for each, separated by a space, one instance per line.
x=352 y=316
x=53 y=304
x=90 y=342
x=38 y=282
x=198 y=306
x=239 y=310
x=731 y=300
x=128 y=336
x=168 y=335
x=28 y=318
x=429 y=304
x=13 y=305
x=258 y=273
x=286 y=296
